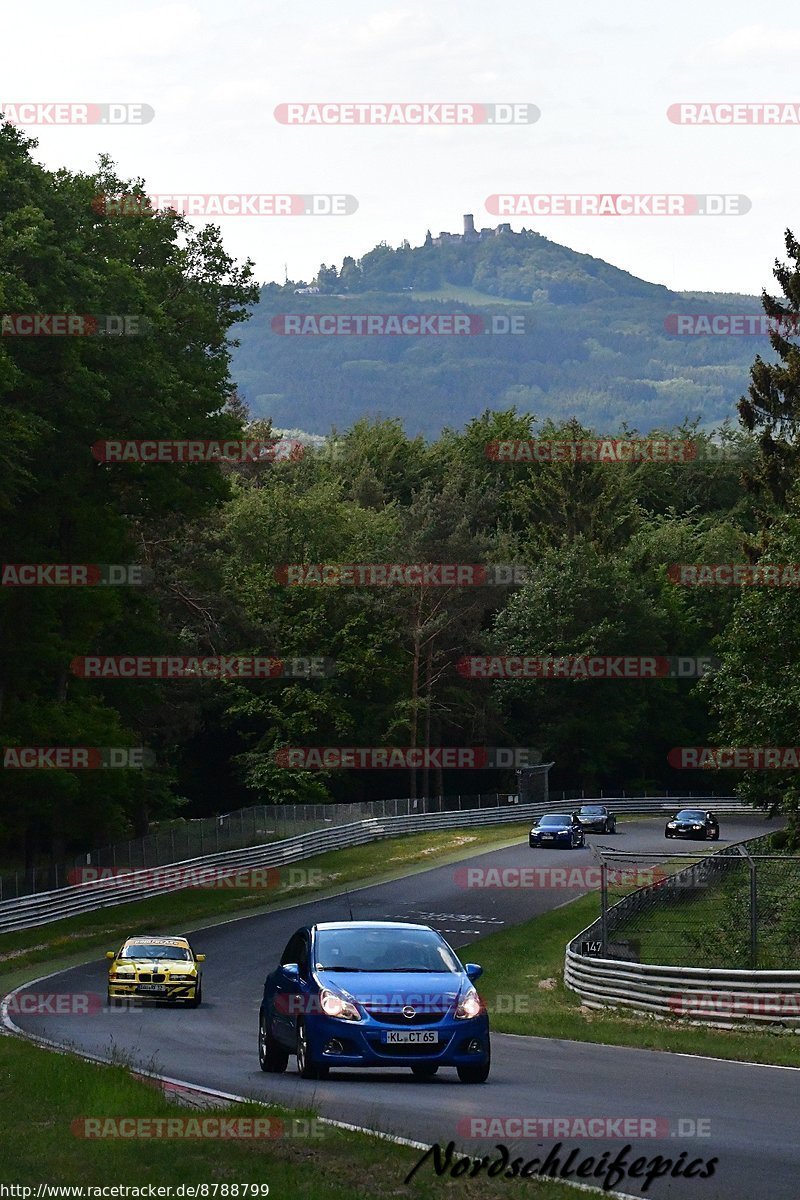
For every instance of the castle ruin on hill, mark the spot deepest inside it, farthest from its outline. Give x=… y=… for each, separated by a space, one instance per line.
x=471 y=234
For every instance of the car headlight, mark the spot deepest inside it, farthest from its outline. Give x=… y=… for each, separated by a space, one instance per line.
x=189 y=977
x=470 y=1005
x=697 y=828
x=334 y=1005
x=123 y=972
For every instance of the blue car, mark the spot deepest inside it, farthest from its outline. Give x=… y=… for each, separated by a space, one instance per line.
x=373 y=994
x=557 y=829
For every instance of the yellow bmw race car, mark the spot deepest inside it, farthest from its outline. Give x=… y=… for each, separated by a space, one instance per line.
x=156 y=968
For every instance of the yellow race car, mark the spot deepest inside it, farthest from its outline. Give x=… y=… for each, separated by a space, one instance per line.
x=156 y=968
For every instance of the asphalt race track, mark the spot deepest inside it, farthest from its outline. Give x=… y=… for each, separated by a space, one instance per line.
x=754 y=1111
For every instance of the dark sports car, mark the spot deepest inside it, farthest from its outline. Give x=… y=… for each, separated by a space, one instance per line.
x=557 y=829
x=693 y=823
x=595 y=818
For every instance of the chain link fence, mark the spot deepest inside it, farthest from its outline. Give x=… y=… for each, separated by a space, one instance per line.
x=738 y=909
x=178 y=840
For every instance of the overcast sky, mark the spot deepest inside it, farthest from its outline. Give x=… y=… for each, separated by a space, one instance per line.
x=603 y=77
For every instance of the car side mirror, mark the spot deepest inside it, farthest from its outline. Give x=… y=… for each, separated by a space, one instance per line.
x=291 y=970
x=110 y=954
x=473 y=971
x=200 y=957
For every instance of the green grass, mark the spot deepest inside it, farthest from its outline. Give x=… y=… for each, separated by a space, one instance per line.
x=59 y=943
x=518 y=959
x=42 y=1094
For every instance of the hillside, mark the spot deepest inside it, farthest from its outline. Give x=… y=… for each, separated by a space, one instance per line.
x=595 y=344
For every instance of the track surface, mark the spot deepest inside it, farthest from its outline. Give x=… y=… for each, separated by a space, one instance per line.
x=754 y=1111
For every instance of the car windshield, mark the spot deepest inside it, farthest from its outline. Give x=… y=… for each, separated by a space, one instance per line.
x=383 y=950
x=553 y=822
x=691 y=814
x=152 y=950
x=592 y=810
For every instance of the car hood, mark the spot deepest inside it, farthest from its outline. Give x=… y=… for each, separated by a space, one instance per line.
x=152 y=964
x=393 y=989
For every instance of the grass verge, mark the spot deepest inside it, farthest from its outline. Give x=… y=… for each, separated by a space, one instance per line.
x=42 y=1094
x=519 y=960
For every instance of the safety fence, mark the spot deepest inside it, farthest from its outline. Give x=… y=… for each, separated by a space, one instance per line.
x=733 y=912
x=118 y=885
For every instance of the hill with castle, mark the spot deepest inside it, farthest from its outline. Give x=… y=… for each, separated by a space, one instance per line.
x=594 y=341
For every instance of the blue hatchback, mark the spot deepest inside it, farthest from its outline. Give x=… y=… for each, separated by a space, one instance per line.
x=373 y=994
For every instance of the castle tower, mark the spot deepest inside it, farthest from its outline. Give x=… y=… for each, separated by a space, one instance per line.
x=469 y=225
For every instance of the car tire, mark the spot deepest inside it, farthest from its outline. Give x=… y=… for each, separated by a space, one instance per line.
x=305 y=1068
x=197 y=999
x=715 y=838
x=667 y=834
x=424 y=1070
x=271 y=1057
x=475 y=1072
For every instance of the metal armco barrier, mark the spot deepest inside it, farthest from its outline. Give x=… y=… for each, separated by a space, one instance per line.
x=713 y=996
x=27 y=912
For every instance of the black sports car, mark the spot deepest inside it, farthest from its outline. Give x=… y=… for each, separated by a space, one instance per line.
x=595 y=818
x=557 y=829
x=693 y=823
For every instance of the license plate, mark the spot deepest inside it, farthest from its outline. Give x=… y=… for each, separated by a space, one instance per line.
x=414 y=1037
x=152 y=987
x=548 y=837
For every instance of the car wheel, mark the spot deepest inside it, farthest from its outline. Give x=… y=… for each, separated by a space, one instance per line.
x=667 y=833
x=305 y=1067
x=197 y=998
x=424 y=1070
x=474 y=1072
x=715 y=838
x=271 y=1057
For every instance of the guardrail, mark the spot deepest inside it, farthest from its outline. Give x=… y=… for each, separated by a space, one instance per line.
x=27 y=912
x=714 y=996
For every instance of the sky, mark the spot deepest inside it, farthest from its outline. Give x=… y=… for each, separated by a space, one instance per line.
x=602 y=76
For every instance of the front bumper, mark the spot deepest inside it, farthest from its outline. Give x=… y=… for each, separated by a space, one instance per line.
x=338 y=1043
x=687 y=832
x=560 y=839
x=173 y=993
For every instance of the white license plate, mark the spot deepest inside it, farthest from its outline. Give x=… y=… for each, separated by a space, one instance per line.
x=414 y=1037
x=152 y=987
x=548 y=837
